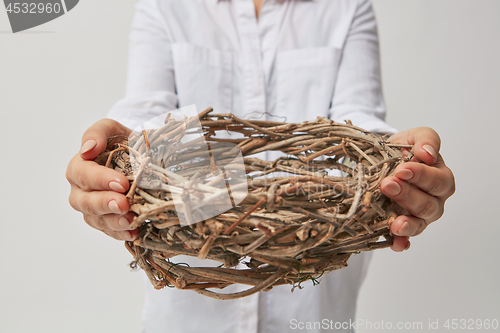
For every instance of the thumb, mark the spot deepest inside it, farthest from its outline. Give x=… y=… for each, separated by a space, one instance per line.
x=426 y=144
x=425 y=141
x=95 y=138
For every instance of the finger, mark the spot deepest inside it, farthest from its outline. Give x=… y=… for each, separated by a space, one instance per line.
x=400 y=244
x=95 y=139
x=436 y=180
x=110 y=222
x=123 y=235
x=425 y=141
x=89 y=175
x=98 y=202
x=408 y=226
x=414 y=200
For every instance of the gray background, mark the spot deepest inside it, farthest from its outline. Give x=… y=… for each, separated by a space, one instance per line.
x=441 y=69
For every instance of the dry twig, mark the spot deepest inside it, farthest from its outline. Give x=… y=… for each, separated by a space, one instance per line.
x=299 y=217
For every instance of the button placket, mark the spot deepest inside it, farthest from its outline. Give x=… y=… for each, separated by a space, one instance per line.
x=254 y=94
x=253 y=100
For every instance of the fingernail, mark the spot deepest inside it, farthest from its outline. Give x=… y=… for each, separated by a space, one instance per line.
x=392 y=188
x=88 y=146
x=405 y=174
x=430 y=150
x=124 y=223
x=403 y=229
x=113 y=206
x=116 y=187
x=408 y=246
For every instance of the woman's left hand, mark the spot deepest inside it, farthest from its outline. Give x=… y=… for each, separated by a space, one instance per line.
x=419 y=189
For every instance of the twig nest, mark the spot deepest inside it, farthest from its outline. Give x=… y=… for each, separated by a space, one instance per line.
x=200 y=192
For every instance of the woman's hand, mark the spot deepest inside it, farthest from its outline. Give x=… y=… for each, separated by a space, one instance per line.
x=420 y=189
x=97 y=191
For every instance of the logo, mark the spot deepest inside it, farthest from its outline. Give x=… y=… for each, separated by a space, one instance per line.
x=25 y=15
x=169 y=153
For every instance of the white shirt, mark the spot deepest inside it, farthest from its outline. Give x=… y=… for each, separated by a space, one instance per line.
x=300 y=59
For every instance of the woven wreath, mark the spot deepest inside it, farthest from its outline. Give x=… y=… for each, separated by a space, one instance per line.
x=302 y=215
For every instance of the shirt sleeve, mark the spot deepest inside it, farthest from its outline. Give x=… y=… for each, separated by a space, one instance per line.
x=358 y=88
x=150 y=89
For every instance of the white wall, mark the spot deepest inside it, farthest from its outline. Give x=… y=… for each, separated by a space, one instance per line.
x=57 y=274
x=440 y=69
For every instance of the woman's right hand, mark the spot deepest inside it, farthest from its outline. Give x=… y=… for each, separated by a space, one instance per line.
x=97 y=191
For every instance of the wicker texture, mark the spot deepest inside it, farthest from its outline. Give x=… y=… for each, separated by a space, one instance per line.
x=298 y=219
